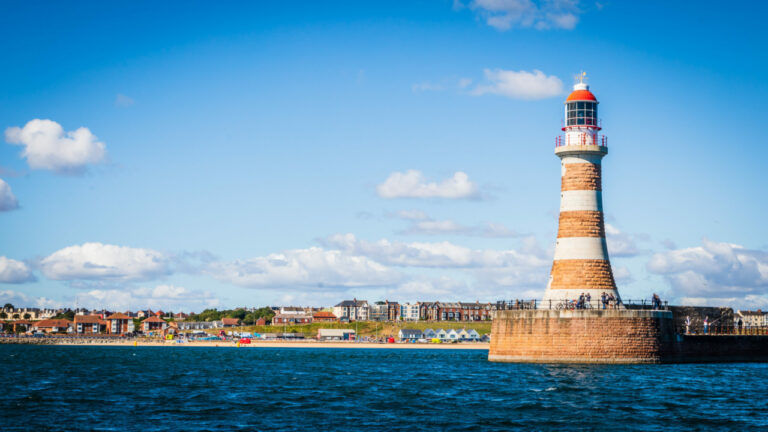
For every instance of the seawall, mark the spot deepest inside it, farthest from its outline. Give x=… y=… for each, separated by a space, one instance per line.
x=611 y=336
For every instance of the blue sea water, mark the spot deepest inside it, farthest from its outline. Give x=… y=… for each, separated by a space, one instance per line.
x=273 y=389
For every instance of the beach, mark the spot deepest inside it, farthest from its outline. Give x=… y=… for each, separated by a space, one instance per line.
x=231 y=344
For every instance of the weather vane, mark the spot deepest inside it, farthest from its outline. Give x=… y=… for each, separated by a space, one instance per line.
x=580 y=78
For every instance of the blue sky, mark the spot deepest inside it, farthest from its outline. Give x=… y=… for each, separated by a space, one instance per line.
x=250 y=153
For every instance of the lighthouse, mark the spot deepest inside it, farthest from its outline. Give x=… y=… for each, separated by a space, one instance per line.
x=581 y=264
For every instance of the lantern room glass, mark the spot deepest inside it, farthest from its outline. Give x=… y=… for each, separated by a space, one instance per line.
x=582 y=113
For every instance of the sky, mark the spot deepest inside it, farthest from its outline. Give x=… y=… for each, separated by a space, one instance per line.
x=184 y=155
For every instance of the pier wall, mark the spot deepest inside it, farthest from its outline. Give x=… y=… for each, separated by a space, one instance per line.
x=611 y=336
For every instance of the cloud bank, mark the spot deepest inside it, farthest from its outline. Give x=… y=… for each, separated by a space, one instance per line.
x=541 y=15
x=14 y=272
x=97 y=261
x=412 y=184
x=519 y=84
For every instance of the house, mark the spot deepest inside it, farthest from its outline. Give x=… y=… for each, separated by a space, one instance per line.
x=377 y=312
x=453 y=335
x=153 y=324
x=295 y=310
x=53 y=326
x=324 y=316
x=409 y=335
x=291 y=319
x=335 y=334
x=199 y=325
x=260 y=322
x=441 y=334
x=751 y=319
x=409 y=311
x=429 y=334
x=89 y=324
x=181 y=316
x=476 y=311
x=119 y=323
x=352 y=310
x=18 y=325
x=230 y=322
x=469 y=335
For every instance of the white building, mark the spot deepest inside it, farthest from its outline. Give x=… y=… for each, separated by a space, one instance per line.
x=409 y=311
x=352 y=310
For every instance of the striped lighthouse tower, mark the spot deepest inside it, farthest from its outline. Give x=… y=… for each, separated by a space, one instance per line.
x=581 y=262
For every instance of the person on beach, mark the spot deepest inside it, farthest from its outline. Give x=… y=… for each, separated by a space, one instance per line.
x=687 y=324
x=588 y=299
x=740 y=324
x=604 y=299
x=706 y=324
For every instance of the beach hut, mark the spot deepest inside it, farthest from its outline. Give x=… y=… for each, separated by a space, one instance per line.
x=441 y=334
x=429 y=334
x=409 y=335
x=452 y=335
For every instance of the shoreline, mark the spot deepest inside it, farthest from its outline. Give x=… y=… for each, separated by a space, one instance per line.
x=257 y=344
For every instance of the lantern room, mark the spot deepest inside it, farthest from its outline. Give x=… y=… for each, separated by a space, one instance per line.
x=581 y=108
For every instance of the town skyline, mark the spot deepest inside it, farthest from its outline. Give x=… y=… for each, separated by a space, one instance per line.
x=259 y=154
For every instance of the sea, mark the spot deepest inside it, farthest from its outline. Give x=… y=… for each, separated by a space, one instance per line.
x=116 y=388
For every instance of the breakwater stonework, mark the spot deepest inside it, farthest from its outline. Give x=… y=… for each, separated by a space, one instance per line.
x=611 y=336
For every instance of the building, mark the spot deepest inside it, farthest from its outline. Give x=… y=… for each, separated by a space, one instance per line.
x=377 y=312
x=476 y=311
x=153 y=324
x=53 y=326
x=581 y=262
x=230 y=322
x=352 y=310
x=752 y=319
x=469 y=335
x=324 y=316
x=409 y=335
x=409 y=311
x=120 y=323
x=291 y=319
x=336 y=334
x=199 y=325
x=429 y=334
x=89 y=324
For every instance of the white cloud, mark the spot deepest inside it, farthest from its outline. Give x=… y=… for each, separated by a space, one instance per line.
x=519 y=84
x=432 y=255
x=47 y=146
x=308 y=268
x=424 y=289
x=412 y=184
x=622 y=274
x=8 y=200
x=19 y=299
x=719 y=273
x=97 y=261
x=545 y=14
x=12 y=271
x=620 y=244
x=165 y=297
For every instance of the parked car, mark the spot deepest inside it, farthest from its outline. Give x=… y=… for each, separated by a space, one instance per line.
x=245 y=341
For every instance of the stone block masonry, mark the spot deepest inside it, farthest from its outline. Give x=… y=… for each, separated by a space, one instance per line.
x=581 y=336
x=619 y=336
x=581 y=224
x=581 y=176
x=577 y=274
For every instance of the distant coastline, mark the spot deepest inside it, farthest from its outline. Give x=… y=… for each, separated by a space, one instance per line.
x=229 y=344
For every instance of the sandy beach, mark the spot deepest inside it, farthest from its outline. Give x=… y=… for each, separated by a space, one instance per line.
x=254 y=344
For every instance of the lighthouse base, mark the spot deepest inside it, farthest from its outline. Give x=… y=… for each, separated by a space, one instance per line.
x=582 y=336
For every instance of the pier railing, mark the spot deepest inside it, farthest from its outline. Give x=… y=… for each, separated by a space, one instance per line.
x=576 y=304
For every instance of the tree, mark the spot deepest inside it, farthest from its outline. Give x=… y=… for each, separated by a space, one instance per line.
x=3 y=315
x=67 y=315
x=8 y=306
x=238 y=313
x=15 y=316
x=27 y=316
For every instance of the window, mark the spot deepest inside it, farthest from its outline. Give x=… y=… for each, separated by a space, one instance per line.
x=581 y=113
